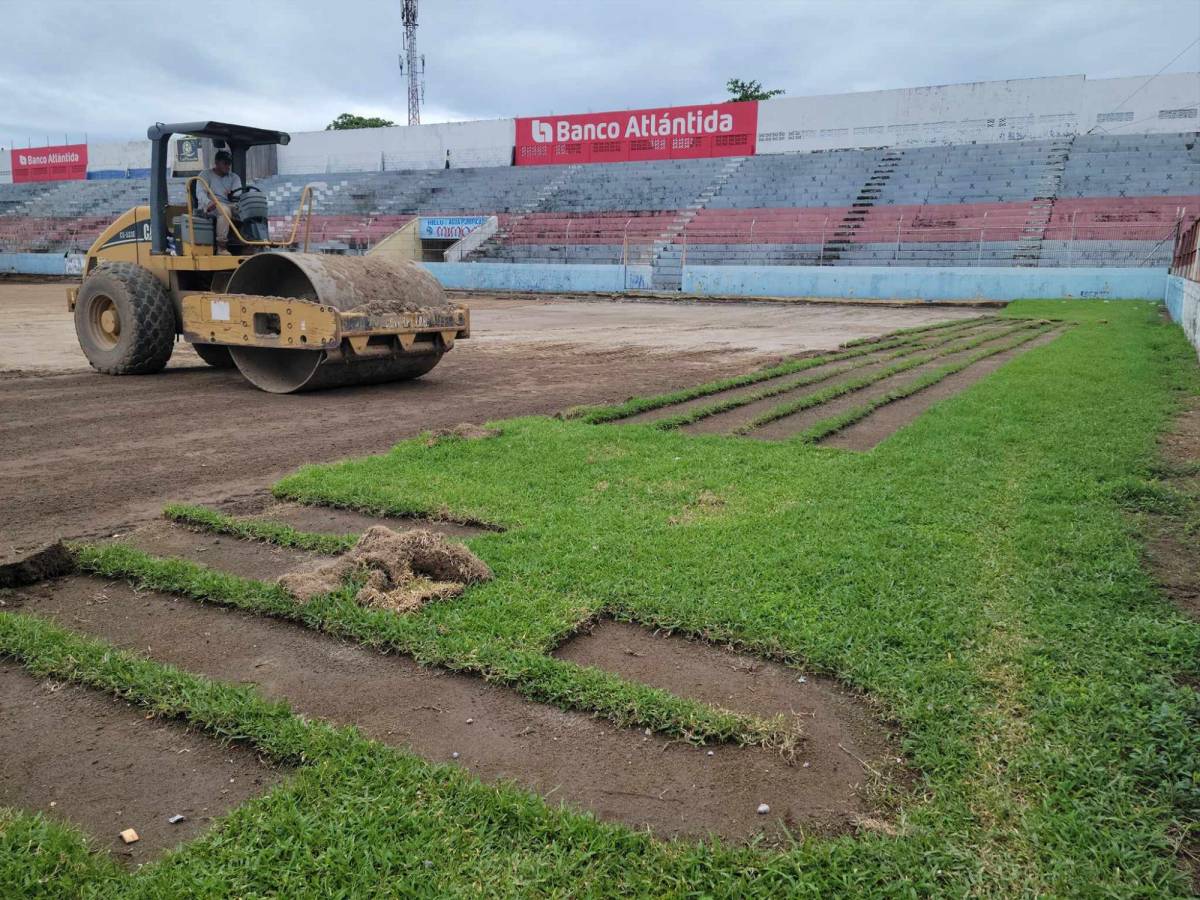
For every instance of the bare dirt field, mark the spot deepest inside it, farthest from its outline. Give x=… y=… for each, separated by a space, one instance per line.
x=85 y=454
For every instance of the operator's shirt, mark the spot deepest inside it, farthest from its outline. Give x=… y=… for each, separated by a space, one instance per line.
x=221 y=186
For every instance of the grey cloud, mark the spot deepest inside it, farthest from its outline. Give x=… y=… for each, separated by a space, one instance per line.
x=110 y=68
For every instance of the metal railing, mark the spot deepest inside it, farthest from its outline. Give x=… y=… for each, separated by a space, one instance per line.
x=1185 y=261
x=999 y=242
x=635 y=240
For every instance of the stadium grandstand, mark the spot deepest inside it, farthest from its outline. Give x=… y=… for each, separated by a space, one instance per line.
x=1055 y=195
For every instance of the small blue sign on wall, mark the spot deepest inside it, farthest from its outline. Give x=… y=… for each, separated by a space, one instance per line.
x=449 y=228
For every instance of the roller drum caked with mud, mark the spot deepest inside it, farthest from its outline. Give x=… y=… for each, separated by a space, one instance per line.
x=289 y=321
x=296 y=322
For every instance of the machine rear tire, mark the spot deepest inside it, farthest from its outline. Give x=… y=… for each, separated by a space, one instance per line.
x=216 y=355
x=125 y=320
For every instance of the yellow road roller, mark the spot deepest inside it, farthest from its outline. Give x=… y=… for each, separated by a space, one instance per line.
x=288 y=319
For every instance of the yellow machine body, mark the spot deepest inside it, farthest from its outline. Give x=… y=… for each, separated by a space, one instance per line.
x=344 y=319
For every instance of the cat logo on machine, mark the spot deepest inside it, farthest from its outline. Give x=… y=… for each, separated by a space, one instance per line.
x=138 y=231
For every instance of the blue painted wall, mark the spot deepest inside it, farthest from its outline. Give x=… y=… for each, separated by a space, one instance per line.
x=33 y=263
x=923 y=283
x=538 y=277
x=1183 y=303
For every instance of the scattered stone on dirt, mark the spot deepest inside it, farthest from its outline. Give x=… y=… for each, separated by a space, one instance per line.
x=404 y=570
x=49 y=562
x=465 y=430
x=129 y=836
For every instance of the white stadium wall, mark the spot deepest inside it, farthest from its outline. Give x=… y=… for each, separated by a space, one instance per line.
x=981 y=112
x=482 y=143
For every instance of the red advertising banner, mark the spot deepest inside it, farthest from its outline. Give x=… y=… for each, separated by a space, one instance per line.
x=64 y=163
x=675 y=132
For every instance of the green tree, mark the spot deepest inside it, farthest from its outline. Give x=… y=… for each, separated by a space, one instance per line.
x=749 y=90
x=346 y=121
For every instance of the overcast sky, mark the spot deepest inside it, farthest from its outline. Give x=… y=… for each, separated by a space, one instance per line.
x=108 y=68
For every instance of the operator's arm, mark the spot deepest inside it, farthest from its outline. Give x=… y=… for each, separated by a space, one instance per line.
x=204 y=197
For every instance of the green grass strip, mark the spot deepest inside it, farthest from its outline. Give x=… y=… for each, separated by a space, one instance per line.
x=808 y=401
x=637 y=405
x=834 y=424
x=730 y=403
x=534 y=675
x=204 y=519
x=918 y=329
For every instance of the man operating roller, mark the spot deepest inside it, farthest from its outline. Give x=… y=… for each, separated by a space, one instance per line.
x=222 y=181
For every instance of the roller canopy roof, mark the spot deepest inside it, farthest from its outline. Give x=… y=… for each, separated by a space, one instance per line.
x=245 y=135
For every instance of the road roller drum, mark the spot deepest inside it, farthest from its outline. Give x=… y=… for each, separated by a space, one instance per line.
x=298 y=322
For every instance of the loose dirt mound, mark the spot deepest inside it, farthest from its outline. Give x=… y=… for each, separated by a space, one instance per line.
x=404 y=570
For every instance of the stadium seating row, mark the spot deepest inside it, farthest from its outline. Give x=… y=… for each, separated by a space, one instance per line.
x=1111 y=197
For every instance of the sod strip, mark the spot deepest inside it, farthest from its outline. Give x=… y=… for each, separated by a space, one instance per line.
x=201 y=518
x=721 y=406
x=231 y=712
x=834 y=424
x=597 y=416
x=918 y=329
x=535 y=676
x=834 y=391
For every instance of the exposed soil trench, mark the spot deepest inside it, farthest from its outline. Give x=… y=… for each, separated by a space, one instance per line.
x=89 y=759
x=831 y=716
x=796 y=423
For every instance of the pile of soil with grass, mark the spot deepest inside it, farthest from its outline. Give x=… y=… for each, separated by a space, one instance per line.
x=403 y=570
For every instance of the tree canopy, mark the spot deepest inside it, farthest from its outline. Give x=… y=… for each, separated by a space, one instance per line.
x=749 y=90
x=346 y=121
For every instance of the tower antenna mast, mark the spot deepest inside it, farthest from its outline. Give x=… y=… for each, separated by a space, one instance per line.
x=414 y=62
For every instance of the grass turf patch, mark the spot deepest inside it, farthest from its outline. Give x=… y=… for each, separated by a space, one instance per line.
x=975 y=574
x=535 y=675
x=730 y=403
x=834 y=391
x=834 y=424
x=636 y=405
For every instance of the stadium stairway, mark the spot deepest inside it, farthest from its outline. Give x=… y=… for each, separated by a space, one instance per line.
x=667 y=254
x=1029 y=248
x=856 y=216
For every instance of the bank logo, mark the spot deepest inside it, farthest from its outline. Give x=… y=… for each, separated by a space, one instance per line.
x=543 y=132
